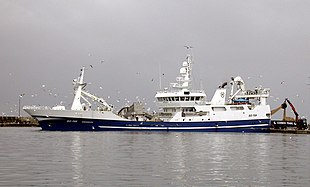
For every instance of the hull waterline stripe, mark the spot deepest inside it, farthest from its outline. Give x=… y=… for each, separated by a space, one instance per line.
x=183 y=128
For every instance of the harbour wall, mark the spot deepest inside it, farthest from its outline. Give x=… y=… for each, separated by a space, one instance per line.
x=15 y=121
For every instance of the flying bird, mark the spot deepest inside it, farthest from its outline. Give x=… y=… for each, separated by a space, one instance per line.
x=188 y=47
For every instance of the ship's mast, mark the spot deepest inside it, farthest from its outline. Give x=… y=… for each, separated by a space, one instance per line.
x=184 y=81
x=76 y=104
x=160 y=75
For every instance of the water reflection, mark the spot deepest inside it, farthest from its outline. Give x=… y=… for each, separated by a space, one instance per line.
x=76 y=159
x=152 y=159
x=177 y=159
x=219 y=159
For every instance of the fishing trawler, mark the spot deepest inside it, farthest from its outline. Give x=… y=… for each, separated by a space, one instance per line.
x=180 y=109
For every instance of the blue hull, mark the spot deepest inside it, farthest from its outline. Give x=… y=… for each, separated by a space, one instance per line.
x=63 y=124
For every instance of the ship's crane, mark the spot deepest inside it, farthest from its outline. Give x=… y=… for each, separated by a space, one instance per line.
x=97 y=99
x=240 y=85
x=79 y=86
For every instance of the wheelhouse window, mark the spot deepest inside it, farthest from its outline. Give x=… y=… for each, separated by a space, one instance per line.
x=237 y=108
x=218 y=109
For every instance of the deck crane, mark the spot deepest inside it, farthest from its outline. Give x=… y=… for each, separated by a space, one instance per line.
x=97 y=99
x=80 y=93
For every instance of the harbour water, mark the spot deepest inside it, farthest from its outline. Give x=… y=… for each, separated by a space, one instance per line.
x=31 y=157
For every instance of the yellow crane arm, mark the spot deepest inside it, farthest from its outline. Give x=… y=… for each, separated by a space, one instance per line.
x=275 y=110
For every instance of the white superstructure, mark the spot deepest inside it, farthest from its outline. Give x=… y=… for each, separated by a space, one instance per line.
x=181 y=103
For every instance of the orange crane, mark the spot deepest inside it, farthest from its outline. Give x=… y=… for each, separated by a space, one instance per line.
x=301 y=123
x=294 y=110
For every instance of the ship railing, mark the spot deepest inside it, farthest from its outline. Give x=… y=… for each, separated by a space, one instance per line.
x=177 y=91
x=180 y=103
x=33 y=107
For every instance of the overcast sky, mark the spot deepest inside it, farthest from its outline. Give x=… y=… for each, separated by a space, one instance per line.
x=44 y=43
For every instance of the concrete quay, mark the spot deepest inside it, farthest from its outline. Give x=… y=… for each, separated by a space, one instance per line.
x=15 y=121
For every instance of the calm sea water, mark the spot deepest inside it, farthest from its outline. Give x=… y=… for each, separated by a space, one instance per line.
x=30 y=157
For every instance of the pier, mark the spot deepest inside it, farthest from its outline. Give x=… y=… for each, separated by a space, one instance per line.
x=290 y=131
x=290 y=127
x=14 y=121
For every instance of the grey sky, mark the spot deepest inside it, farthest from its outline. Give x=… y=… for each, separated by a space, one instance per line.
x=45 y=42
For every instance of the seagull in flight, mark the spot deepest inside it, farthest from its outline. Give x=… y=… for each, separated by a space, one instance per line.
x=188 y=47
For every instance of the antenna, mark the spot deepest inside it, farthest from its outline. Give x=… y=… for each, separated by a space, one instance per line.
x=190 y=53
x=190 y=62
x=159 y=76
